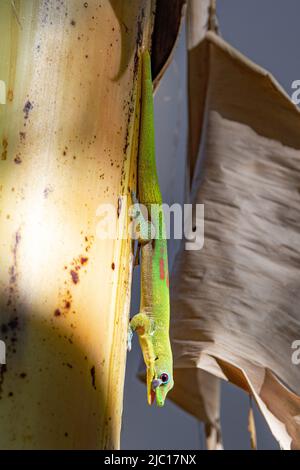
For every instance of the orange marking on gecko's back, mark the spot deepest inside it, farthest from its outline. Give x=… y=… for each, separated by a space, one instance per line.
x=161 y=269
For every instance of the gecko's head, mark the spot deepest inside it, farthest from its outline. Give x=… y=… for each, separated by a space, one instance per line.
x=160 y=386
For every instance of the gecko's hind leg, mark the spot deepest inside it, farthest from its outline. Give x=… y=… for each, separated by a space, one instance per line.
x=142 y=325
x=143 y=229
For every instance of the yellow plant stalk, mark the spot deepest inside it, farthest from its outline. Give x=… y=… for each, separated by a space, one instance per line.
x=68 y=135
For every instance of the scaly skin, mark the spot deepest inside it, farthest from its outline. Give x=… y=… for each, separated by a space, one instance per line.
x=152 y=323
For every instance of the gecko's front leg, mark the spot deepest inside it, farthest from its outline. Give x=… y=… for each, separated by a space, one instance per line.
x=142 y=325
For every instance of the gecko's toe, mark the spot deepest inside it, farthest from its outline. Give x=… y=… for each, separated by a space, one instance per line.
x=129 y=339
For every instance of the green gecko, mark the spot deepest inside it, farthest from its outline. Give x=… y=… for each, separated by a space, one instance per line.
x=152 y=323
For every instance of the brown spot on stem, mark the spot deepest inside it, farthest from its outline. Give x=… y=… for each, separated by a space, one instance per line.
x=13 y=324
x=4 y=152
x=3 y=369
x=75 y=276
x=93 y=374
x=18 y=159
x=27 y=108
x=47 y=191
x=10 y=95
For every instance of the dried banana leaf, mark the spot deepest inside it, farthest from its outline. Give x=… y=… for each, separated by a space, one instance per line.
x=235 y=303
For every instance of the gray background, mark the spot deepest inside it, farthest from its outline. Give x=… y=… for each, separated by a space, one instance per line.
x=267 y=31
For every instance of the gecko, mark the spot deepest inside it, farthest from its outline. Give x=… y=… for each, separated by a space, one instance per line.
x=152 y=322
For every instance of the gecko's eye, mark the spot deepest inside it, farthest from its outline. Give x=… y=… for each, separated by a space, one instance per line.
x=164 y=377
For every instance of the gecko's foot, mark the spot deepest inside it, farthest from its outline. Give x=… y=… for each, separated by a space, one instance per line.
x=142 y=228
x=129 y=339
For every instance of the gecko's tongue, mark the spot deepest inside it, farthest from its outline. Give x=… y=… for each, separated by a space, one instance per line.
x=152 y=397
